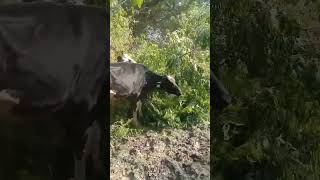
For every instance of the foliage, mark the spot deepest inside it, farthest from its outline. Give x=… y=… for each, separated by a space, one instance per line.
x=137 y=3
x=120 y=32
x=182 y=51
x=271 y=130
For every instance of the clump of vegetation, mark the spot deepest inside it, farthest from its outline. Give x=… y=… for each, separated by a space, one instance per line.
x=267 y=61
x=169 y=37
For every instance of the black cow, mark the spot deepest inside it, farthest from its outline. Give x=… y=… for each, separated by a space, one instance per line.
x=135 y=81
x=52 y=90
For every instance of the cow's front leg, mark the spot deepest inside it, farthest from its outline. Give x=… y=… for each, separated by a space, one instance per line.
x=79 y=167
x=93 y=149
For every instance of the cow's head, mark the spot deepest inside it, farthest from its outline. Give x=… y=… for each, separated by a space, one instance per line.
x=125 y=58
x=169 y=85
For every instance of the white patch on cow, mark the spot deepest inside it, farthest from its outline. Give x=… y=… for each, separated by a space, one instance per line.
x=127 y=58
x=113 y=92
x=158 y=85
x=172 y=95
x=171 y=79
x=5 y=96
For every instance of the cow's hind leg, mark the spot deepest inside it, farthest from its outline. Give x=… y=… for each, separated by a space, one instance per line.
x=136 y=112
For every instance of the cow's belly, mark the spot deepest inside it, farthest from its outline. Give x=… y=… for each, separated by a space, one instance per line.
x=26 y=142
x=32 y=131
x=35 y=126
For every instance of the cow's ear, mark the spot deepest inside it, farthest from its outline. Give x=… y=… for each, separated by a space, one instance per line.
x=17 y=33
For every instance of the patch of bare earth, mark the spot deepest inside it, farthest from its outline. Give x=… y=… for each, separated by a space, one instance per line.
x=170 y=154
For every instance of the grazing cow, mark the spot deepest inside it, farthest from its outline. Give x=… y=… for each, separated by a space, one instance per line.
x=52 y=90
x=134 y=81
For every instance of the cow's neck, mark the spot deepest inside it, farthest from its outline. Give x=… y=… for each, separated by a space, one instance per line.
x=153 y=80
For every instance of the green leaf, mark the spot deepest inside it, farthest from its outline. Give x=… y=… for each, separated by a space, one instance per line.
x=137 y=3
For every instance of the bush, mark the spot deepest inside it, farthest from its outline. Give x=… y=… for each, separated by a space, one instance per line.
x=271 y=130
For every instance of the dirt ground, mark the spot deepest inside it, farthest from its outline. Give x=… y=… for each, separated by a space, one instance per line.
x=169 y=154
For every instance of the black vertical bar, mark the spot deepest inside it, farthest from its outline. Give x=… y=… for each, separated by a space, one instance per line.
x=107 y=90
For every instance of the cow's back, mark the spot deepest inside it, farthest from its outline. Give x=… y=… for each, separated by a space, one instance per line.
x=60 y=50
x=51 y=54
x=127 y=78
